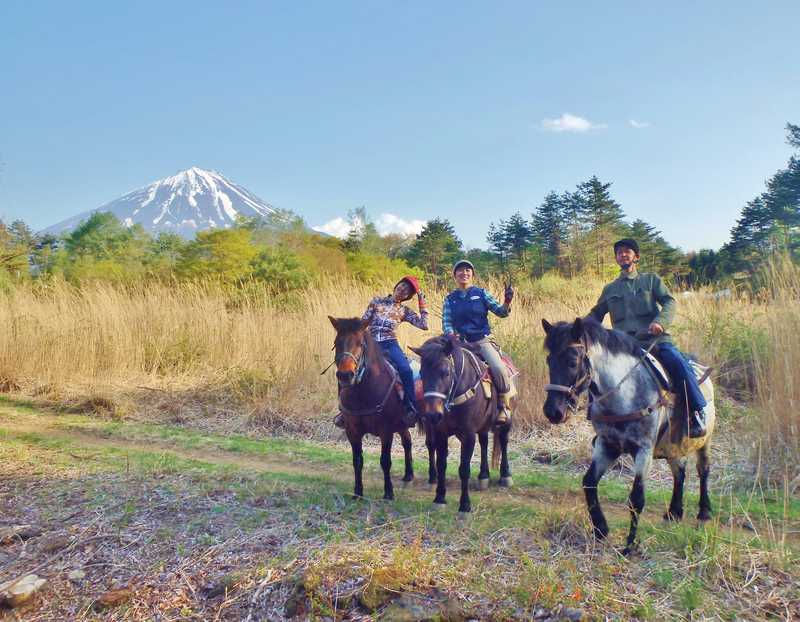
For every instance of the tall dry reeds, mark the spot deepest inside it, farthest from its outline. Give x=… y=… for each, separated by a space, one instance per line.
x=258 y=348
x=777 y=374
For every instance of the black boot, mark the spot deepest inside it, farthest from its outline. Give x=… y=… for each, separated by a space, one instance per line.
x=410 y=418
x=697 y=424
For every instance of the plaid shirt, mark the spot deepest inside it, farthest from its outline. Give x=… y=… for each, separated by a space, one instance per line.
x=490 y=301
x=384 y=315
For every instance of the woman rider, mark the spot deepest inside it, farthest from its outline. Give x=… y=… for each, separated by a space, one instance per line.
x=465 y=314
x=384 y=314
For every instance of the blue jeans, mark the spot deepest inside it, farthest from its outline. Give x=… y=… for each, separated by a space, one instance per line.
x=393 y=352
x=682 y=375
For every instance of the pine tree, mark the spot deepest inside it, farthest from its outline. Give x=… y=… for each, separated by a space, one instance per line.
x=549 y=229
x=436 y=248
x=603 y=218
x=511 y=241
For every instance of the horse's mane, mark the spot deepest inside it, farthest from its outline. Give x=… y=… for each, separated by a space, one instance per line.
x=433 y=347
x=374 y=354
x=614 y=341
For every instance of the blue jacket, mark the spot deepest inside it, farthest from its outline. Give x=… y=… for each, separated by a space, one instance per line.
x=466 y=313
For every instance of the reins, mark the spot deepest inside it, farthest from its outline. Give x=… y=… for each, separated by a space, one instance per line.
x=361 y=369
x=573 y=391
x=449 y=399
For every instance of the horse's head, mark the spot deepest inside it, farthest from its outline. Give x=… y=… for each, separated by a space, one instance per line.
x=570 y=370
x=351 y=349
x=438 y=376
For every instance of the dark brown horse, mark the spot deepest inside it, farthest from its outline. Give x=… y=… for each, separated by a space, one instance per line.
x=368 y=400
x=456 y=404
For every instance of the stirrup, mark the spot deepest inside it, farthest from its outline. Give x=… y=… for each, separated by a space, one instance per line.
x=410 y=417
x=338 y=421
x=697 y=424
x=503 y=416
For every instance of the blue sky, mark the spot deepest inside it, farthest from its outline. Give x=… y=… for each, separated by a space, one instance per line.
x=412 y=109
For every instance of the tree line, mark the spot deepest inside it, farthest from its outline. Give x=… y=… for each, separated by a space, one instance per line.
x=568 y=233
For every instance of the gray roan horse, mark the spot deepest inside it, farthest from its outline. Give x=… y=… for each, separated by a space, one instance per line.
x=368 y=400
x=630 y=412
x=457 y=404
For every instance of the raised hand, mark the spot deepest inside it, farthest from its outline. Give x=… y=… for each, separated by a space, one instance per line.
x=509 y=294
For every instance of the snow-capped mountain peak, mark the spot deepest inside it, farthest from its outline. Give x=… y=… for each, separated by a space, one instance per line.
x=185 y=203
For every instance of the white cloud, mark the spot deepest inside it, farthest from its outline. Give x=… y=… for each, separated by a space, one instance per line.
x=570 y=123
x=385 y=224
x=338 y=227
x=389 y=223
x=639 y=125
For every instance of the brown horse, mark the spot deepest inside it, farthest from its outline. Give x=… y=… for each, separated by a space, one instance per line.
x=456 y=404
x=368 y=400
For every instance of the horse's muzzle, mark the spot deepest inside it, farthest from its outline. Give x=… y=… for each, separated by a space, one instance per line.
x=346 y=378
x=434 y=409
x=556 y=409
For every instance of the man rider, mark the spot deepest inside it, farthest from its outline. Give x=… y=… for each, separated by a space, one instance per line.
x=633 y=301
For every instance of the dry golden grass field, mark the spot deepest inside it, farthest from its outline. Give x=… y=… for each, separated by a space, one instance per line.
x=171 y=447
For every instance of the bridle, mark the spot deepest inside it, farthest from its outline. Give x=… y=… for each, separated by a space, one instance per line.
x=581 y=383
x=450 y=398
x=361 y=366
x=361 y=369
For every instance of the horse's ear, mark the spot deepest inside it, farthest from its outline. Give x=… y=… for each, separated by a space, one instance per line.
x=547 y=326
x=447 y=347
x=364 y=325
x=416 y=351
x=334 y=321
x=577 y=329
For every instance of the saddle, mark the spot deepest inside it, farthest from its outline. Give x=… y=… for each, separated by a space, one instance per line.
x=701 y=372
x=486 y=378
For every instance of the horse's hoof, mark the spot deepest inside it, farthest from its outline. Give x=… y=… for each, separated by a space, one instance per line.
x=356 y=497
x=704 y=516
x=463 y=516
x=673 y=517
x=629 y=550
x=388 y=497
x=406 y=482
x=600 y=532
x=439 y=507
x=483 y=484
x=507 y=482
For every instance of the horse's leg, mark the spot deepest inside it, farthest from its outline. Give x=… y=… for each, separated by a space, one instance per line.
x=358 y=465
x=678 y=467
x=642 y=460
x=441 y=468
x=405 y=438
x=429 y=443
x=602 y=458
x=703 y=468
x=483 y=475
x=505 y=467
x=386 y=465
x=467 y=449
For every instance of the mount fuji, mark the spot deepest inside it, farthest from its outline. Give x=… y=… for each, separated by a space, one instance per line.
x=190 y=201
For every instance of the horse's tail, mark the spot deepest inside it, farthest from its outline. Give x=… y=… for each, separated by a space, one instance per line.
x=495 y=451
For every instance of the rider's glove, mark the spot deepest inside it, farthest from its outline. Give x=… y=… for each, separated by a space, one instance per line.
x=509 y=295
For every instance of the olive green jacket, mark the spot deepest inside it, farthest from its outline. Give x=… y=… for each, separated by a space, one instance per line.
x=633 y=301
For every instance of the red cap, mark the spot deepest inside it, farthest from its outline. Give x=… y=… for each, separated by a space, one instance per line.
x=412 y=281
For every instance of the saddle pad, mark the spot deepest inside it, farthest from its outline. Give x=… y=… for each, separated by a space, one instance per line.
x=661 y=373
x=415 y=370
